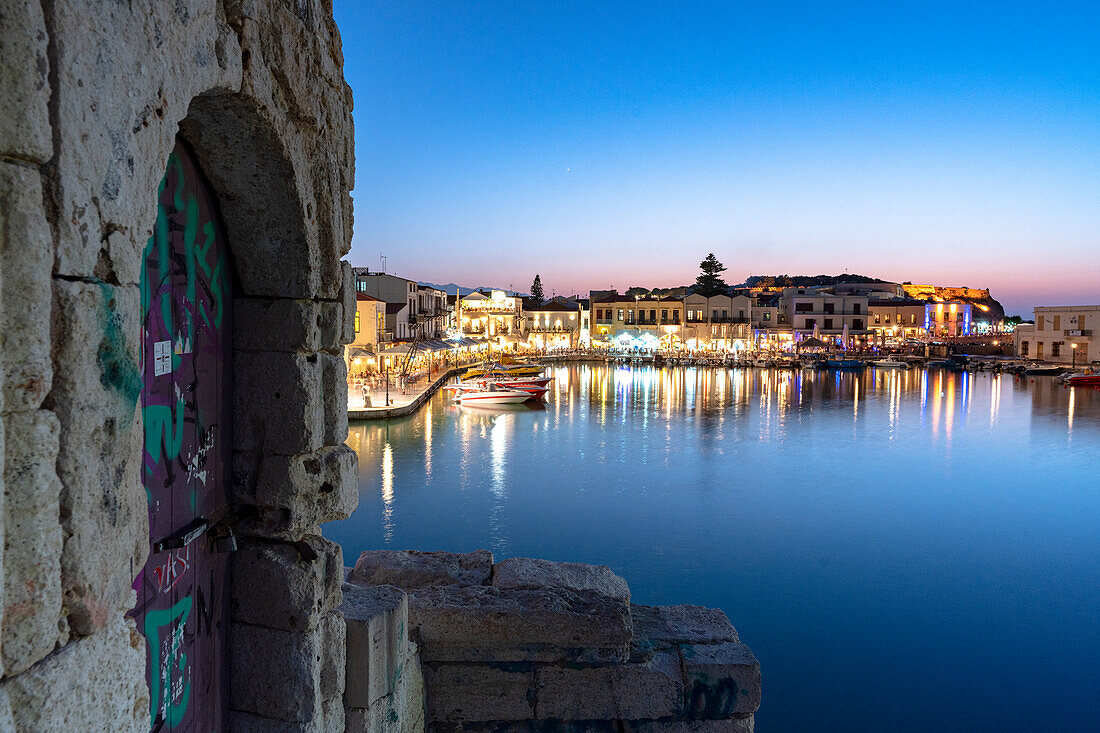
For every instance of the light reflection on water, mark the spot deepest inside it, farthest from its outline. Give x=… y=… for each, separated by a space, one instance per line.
x=889 y=543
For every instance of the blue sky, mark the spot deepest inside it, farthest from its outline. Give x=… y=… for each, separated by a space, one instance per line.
x=615 y=144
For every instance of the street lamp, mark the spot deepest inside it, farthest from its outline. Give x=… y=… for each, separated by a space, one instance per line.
x=1073 y=347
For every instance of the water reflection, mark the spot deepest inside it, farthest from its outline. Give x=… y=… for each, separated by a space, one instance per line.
x=925 y=516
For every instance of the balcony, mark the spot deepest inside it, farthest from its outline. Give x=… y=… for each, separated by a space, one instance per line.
x=1078 y=332
x=549 y=329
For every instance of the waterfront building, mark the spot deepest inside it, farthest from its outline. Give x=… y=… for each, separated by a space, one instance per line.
x=895 y=319
x=948 y=319
x=769 y=327
x=822 y=313
x=555 y=324
x=1064 y=334
x=494 y=314
x=648 y=322
x=410 y=307
x=718 y=322
x=370 y=333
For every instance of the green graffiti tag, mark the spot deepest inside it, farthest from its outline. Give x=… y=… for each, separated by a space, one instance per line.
x=166 y=655
x=164 y=430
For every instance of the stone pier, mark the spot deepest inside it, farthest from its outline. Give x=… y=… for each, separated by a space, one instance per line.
x=456 y=642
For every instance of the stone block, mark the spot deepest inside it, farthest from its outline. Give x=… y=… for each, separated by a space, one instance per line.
x=662 y=627
x=485 y=624
x=721 y=680
x=478 y=692
x=402 y=711
x=741 y=724
x=275 y=673
x=32 y=540
x=92 y=683
x=295 y=494
x=26 y=258
x=277 y=324
x=25 y=85
x=332 y=326
x=274 y=585
x=347 y=299
x=277 y=402
x=410 y=569
x=334 y=659
x=334 y=382
x=110 y=157
x=525 y=573
x=377 y=619
x=652 y=689
x=96 y=389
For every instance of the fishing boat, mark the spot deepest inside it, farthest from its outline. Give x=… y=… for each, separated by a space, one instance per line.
x=891 y=363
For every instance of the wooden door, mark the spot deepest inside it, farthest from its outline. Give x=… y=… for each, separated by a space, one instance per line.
x=186 y=352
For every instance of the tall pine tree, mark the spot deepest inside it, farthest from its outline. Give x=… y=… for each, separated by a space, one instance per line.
x=536 y=290
x=710 y=280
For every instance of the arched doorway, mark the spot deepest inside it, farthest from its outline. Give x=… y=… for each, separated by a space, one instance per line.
x=182 y=608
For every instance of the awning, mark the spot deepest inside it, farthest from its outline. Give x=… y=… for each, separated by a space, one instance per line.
x=398 y=350
x=357 y=352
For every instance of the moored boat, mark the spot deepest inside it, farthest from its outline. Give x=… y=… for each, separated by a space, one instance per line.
x=891 y=363
x=1083 y=380
x=492 y=395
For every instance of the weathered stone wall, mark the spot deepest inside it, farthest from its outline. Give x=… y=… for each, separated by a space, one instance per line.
x=532 y=645
x=92 y=97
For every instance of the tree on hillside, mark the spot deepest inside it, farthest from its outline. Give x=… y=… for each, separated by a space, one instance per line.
x=636 y=291
x=536 y=290
x=710 y=280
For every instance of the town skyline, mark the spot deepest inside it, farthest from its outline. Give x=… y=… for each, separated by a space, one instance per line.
x=598 y=145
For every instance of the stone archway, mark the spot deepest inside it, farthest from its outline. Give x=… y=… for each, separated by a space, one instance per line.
x=100 y=97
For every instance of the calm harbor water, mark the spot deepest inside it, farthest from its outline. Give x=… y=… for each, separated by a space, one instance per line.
x=902 y=550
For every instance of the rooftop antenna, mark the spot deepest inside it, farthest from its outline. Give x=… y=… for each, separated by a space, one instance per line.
x=382 y=259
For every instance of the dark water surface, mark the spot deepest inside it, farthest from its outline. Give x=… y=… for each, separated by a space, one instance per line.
x=902 y=550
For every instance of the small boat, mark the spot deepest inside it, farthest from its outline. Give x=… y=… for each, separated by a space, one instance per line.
x=1044 y=371
x=762 y=362
x=492 y=395
x=842 y=364
x=1083 y=380
x=891 y=363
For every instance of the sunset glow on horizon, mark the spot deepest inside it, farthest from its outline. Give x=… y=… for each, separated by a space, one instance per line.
x=606 y=147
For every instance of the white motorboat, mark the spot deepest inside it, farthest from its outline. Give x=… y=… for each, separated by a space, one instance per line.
x=492 y=395
x=891 y=363
x=763 y=363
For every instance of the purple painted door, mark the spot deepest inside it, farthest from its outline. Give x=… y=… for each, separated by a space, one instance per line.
x=186 y=330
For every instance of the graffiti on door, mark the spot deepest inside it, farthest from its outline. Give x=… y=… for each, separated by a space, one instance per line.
x=182 y=591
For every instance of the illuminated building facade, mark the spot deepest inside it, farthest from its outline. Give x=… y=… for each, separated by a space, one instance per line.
x=949 y=319
x=494 y=314
x=555 y=324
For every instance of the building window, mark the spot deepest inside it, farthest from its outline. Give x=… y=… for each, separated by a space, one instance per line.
x=725 y=314
x=664 y=314
x=803 y=307
x=356 y=321
x=1024 y=347
x=876 y=318
x=1056 y=347
x=767 y=316
x=620 y=314
x=714 y=315
x=828 y=324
